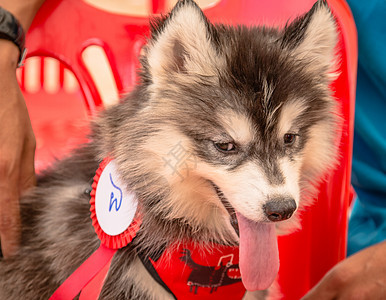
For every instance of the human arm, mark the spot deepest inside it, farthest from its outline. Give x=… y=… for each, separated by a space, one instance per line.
x=360 y=276
x=17 y=141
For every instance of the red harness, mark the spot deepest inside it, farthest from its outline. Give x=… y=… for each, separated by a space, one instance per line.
x=189 y=272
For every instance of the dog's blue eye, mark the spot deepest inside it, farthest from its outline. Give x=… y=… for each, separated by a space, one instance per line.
x=289 y=138
x=225 y=147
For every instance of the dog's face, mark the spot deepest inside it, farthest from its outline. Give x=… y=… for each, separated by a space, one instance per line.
x=245 y=114
x=234 y=121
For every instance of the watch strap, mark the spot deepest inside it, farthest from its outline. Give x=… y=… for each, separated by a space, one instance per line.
x=10 y=29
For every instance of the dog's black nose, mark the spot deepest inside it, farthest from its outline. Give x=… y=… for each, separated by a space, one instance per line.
x=279 y=209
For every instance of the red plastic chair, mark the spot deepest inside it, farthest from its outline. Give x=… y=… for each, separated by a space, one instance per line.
x=63 y=29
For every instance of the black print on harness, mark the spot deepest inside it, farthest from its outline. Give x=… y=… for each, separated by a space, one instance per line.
x=211 y=276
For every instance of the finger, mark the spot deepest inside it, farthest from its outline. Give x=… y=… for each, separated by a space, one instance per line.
x=27 y=169
x=9 y=200
x=9 y=219
x=10 y=231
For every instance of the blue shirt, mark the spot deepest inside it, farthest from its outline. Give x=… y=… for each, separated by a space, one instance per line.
x=367 y=224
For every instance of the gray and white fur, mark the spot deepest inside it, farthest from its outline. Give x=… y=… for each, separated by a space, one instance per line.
x=251 y=107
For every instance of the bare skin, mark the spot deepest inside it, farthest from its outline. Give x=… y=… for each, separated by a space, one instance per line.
x=362 y=276
x=17 y=141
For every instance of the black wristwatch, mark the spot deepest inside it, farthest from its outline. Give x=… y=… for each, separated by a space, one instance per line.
x=10 y=29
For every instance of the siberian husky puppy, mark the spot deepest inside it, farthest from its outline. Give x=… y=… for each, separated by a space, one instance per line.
x=225 y=138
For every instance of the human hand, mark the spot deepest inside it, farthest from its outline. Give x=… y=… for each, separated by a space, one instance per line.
x=17 y=149
x=360 y=276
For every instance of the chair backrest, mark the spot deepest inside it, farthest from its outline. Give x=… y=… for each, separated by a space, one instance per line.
x=64 y=29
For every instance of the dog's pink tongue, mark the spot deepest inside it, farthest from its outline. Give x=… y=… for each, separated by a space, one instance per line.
x=259 y=257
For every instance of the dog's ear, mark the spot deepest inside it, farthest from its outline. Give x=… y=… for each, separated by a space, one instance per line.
x=313 y=37
x=180 y=43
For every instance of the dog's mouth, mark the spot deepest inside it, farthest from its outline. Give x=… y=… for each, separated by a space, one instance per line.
x=231 y=211
x=258 y=251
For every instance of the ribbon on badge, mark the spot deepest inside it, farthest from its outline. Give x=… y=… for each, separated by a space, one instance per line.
x=116 y=221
